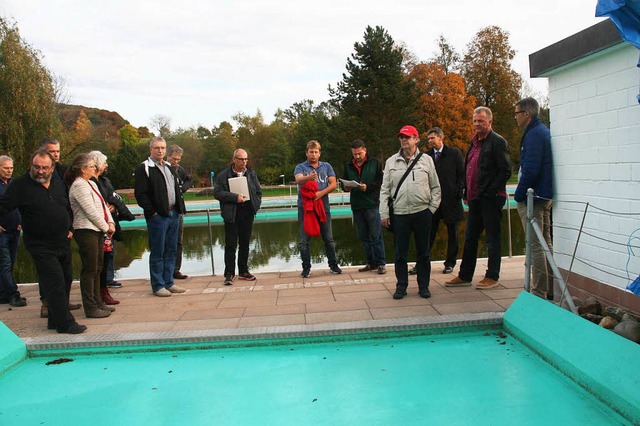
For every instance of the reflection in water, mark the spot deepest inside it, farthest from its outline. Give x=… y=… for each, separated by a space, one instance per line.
x=274 y=247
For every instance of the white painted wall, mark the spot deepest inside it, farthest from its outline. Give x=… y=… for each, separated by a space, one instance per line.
x=595 y=137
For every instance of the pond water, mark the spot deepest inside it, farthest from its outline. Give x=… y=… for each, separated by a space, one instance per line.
x=274 y=247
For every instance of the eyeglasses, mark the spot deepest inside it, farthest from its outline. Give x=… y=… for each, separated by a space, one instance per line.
x=39 y=168
x=241 y=159
x=519 y=112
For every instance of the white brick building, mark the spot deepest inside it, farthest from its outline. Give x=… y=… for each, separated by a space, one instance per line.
x=595 y=129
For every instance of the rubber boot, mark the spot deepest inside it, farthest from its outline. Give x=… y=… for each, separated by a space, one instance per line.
x=107 y=298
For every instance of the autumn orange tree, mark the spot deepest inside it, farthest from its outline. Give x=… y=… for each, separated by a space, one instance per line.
x=443 y=102
x=487 y=71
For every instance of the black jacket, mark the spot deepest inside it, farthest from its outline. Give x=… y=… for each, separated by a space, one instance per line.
x=450 y=170
x=150 y=190
x=229 y=200
x=109 y=195
x=494 y=166
x=46 y=214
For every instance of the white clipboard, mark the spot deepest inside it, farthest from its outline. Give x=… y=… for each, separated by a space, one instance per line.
x=239 y=185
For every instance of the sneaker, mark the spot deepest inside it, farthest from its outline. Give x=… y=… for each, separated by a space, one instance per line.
x=114 y=284
x=487 y=283
x=335 y=269
x=176 y=289
x=413 y=271
x=425 y=294
x=366 y=268
x=447 y=270
x=163 y=292
x=228 y=279
x=305 y=272
x=246 y=277
x=399 y=294
x=457 y=282
x=382 y=270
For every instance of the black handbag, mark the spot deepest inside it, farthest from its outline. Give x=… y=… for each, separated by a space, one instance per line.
x=391 y=200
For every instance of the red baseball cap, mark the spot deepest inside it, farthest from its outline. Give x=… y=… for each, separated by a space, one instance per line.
x=408 y=131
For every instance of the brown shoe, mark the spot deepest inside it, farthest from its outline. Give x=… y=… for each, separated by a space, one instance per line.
x=457 y=282
x=366 y=268
x=179 y=275
x=382 y=270
x=75 y=306
x=96 y=313
x=487 y=283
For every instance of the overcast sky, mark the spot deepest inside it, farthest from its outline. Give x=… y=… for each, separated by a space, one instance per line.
x=201 y=62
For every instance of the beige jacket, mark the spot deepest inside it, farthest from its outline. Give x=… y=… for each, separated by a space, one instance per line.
x=87 y=206
x=419 y=191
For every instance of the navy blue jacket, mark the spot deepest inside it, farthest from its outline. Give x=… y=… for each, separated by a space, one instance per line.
x=11 y=220
x=536 y=163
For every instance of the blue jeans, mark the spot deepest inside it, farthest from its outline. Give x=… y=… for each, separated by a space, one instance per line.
x=163 y=241
x=369 y=230
x=420 y=225
x=327 y=236
x=8 y=250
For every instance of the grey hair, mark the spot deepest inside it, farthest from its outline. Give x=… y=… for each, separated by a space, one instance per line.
x=5 y=158
x=530 y=105
x=437 y=130
x=174 y=148
x=156 y=139
x=98 y=157
x=484 y=109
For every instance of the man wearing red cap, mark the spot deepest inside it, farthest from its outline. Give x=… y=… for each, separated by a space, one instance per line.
x=487 y=170
x=417 y=199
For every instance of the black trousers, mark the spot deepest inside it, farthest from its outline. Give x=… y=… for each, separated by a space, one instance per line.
x=485 y=214
x=452 y=238
x=418 y=224
x=238 y=234
x=53 y=264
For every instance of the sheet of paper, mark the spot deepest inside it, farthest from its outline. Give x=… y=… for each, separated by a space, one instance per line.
x=239 y=185
x=349 y=183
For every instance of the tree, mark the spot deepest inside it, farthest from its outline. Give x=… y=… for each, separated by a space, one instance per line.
x=443 y=102
x=161 y=124
x=447 y=56
x=487 y=71
x=27 y=100
x=126 y=160
x=374 y=99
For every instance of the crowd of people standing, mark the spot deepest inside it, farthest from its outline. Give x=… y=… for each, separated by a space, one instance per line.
x=410 y=195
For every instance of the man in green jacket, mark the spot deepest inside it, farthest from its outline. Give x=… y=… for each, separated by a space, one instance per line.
x=365 y=199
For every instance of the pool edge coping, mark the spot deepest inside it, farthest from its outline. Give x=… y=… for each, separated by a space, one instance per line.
x=261 y=333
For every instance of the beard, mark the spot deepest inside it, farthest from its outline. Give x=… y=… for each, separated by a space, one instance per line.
x=40 y=178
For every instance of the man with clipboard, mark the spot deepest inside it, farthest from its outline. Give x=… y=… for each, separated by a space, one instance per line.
x=238 y=190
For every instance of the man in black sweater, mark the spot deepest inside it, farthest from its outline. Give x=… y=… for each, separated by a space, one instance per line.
x=46 y=223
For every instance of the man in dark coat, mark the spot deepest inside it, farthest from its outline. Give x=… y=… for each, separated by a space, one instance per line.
x=238 y=211
x=450 y=170
x=487 y=170
x=536 y=172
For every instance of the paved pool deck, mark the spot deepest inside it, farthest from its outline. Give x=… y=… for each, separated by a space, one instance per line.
x=274 y=299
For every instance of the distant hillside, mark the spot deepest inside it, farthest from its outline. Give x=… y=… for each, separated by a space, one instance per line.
x=109 y=122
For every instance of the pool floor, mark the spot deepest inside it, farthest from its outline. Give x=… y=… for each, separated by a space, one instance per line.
x=479 y=378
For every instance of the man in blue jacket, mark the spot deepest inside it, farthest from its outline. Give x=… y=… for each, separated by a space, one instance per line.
x=536 y=172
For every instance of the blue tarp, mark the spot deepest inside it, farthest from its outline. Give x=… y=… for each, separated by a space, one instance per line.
x=625 y=14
